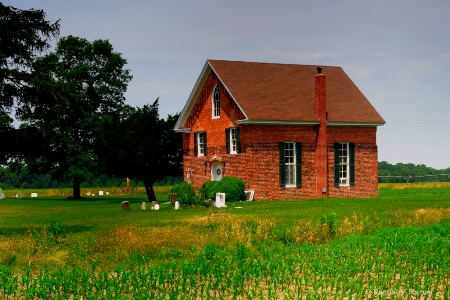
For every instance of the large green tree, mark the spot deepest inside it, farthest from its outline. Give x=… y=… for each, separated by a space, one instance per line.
x=148 y=148
x=72 y=91
x=24 y=34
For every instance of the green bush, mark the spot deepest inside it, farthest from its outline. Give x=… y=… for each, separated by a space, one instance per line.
x=232 y=186
x=207 y=190
x=186 y=193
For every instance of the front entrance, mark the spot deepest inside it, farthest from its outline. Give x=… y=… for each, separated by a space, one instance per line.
x=216 y=171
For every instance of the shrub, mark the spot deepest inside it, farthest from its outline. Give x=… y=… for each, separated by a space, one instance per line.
x=207 y=190
x=232 y=186
x=186 y=193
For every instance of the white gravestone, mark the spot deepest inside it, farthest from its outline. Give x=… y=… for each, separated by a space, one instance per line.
x=1 y=194
x=220 y=200
x=143 y=205
x=33 y=195
x=155 y=205
x=177 y=205
x=100 y=193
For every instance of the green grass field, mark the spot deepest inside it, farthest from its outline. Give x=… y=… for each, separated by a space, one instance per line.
x=393 y=247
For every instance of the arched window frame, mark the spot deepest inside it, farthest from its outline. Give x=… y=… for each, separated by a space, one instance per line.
x=216 y=103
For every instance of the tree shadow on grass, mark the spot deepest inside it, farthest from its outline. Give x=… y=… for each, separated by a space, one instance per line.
x=8 y=232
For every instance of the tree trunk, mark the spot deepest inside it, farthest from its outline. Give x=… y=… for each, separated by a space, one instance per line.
x=149 y=190
x=76 y=187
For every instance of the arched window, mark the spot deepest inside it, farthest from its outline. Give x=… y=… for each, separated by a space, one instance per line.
x=216 y=103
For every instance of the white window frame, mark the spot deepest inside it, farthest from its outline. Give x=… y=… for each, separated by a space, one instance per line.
x=233 y=141
x=200 y=143
x=216 y=103
x=344 y=164
x=290 y=157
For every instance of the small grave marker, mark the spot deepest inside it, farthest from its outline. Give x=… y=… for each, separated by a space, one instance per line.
x=100 y=193
x=143 y=205
x=33 y=195
x=155 y=205
x=125 y=205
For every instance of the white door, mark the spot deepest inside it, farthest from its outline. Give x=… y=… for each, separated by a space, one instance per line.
x=216 y=172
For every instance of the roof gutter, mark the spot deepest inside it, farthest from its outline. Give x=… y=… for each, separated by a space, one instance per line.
x=353 y=124
x=275 y=122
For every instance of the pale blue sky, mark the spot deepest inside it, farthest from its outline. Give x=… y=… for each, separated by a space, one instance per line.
x=397 y=53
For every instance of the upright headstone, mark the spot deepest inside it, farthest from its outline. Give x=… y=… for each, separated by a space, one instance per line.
x=19 y=195
x=173 y=198
x=143 y=205
x=125 y=205
x=220 y=200
x=249 y=195
x=1 y=194
x=177 y=205
x=33 y=195
x=100 y=193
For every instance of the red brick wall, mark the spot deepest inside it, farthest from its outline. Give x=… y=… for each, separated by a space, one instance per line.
x=258 y=162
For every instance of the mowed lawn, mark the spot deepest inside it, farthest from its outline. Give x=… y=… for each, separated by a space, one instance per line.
x=394 y=246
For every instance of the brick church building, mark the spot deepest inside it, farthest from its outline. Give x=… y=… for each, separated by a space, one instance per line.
x=288 y=131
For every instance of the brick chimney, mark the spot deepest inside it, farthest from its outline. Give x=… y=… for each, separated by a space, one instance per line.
x=321 y=146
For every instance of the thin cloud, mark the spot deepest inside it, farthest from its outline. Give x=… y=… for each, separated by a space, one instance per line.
x=301 y=56
x=376 y=54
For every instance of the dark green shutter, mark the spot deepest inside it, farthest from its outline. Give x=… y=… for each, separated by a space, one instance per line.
x=282 y=165
x=195 y=144
x=298 y=160
x=352 y=162
x=336 y=163
x=227 y=139
x=238 y=140
x=205 y=147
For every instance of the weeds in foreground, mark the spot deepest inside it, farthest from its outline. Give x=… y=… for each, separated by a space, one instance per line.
x=392 y=263
x=224 y=256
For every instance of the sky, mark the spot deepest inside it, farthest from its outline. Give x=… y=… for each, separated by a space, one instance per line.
x=396 y=52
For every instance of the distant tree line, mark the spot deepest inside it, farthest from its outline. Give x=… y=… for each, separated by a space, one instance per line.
x=22 y=180
x=401 y=172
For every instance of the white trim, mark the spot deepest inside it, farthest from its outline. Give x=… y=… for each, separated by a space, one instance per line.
x=347 y=164
x=185 y=113
x=229 y=92
x=198 y=87
x=230 y=138
x=183 y=130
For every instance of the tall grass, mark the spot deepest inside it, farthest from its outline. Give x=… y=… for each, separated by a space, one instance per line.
x=393 y=247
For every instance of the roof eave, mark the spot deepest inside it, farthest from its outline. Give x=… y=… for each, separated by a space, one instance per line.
x=184 y=115
x=276 y=122
x=183 y=130
x=354 y=124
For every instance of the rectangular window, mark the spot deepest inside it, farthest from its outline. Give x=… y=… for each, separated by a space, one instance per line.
x=200 y=148
x=289 y=161
x=233 y=143
x=344 y=164
x=290 y=164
